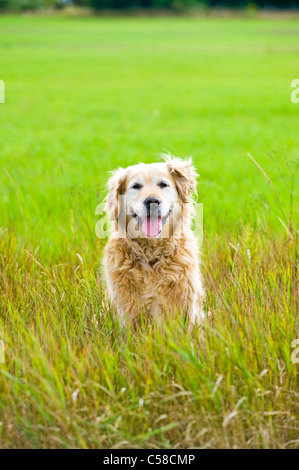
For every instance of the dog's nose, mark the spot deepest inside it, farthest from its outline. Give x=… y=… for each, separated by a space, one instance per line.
x=150 y=200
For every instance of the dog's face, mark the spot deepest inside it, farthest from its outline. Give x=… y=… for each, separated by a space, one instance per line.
x=148 y=200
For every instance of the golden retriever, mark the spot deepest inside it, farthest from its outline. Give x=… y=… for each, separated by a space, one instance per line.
x=151 y=261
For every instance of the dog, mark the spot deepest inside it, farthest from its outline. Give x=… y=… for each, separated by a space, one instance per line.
x=151 y=260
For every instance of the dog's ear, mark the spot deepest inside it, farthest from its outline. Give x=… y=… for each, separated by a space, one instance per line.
x=115 y=186
x=184 y=175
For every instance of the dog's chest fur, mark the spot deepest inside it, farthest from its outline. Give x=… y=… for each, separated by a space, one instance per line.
x=156 y=276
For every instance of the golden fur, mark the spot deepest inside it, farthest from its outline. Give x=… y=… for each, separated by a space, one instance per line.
x=153 y=274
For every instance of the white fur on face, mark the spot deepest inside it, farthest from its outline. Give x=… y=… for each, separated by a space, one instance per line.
x=150 y=181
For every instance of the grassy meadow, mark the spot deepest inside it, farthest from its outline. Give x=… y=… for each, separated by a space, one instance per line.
x=84 y=96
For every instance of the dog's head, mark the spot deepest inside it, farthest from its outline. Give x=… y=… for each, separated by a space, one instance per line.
x=152 y=200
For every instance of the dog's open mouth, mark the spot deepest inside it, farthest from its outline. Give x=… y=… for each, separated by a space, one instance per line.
x=152 y=225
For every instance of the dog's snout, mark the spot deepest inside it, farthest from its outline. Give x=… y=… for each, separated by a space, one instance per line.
x=150 y=200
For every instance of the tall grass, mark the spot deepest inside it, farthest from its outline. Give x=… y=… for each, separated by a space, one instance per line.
x=73 y=379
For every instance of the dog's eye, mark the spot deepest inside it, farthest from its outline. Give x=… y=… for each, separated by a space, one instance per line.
x=163 y=184
x=136 y=186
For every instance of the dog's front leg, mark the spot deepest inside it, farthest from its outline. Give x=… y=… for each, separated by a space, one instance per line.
x=126 y=306
x=196 y=315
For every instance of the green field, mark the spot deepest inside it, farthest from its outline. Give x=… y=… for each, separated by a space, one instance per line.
x=83 y=96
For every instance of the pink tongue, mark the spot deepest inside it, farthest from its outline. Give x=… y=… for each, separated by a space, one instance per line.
x=152 y=226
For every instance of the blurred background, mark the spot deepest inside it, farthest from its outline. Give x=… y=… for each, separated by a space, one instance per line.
x=178 y=5
x=86 y=93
